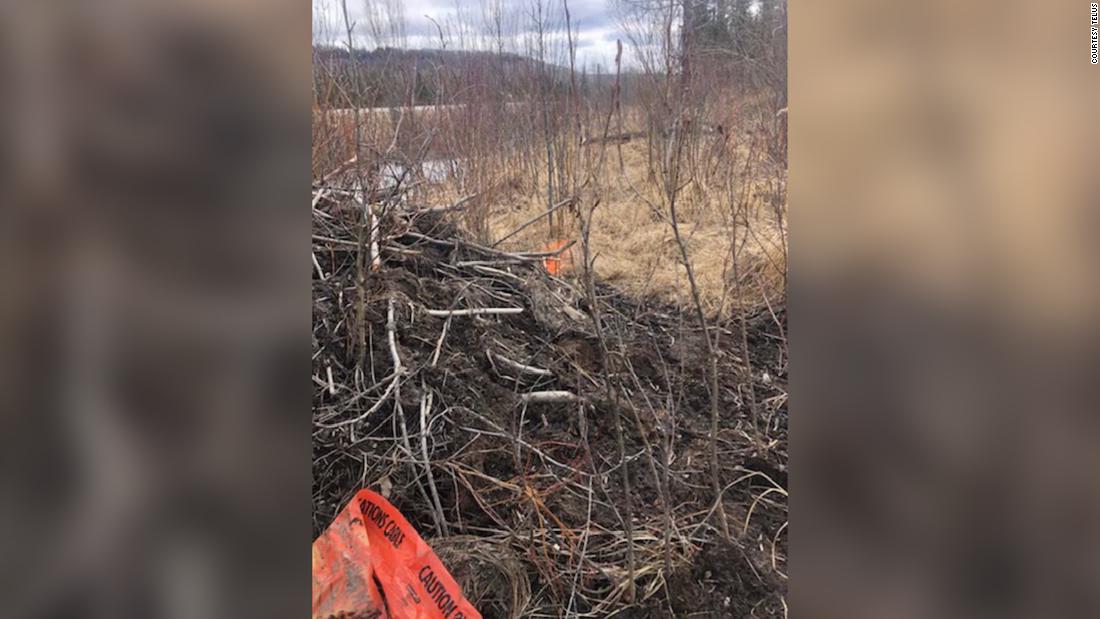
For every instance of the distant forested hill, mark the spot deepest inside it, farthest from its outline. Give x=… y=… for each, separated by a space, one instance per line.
x=386 y=77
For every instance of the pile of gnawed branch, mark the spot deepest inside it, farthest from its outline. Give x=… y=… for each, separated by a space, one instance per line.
x=558 y=464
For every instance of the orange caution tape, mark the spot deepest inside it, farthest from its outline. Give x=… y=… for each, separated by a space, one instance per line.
x=371 y=562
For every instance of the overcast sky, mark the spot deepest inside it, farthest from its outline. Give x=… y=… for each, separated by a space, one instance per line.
x=594 y=21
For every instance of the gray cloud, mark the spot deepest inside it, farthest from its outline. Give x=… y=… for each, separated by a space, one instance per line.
x=592 y=20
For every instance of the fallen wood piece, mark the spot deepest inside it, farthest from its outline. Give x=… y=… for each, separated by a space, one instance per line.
x=544 y=397
x=342 y=242
x=533 y=220
x=539 y=255
x=474 y=246
x=340 y=169
x=381 y=194
x=334 y=245
x=516 y=366
x=486 y=263
x=497 y=273
x=474 y=311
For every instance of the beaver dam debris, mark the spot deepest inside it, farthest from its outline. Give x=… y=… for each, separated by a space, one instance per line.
x=557 y=468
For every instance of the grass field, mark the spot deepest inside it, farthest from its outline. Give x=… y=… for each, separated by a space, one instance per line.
x=634 y=248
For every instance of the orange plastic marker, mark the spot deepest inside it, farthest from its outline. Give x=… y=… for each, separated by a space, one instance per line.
x=560 y=264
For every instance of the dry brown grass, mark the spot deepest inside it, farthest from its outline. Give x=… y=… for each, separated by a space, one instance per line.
x=635 y=250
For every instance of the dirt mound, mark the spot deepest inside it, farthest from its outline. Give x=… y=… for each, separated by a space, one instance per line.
x=555 y=471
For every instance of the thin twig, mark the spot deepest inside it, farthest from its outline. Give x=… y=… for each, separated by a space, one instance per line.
x=517 y=366
x=475 y=311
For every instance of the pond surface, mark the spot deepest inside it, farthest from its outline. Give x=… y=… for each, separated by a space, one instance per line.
x=431 y=171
